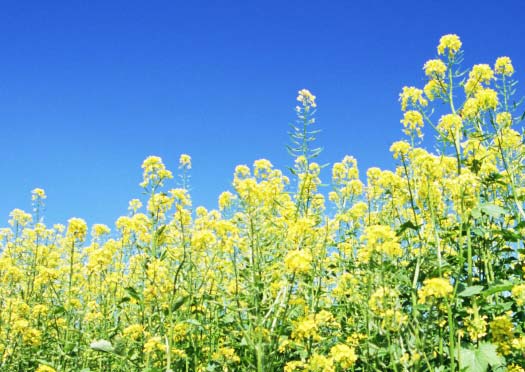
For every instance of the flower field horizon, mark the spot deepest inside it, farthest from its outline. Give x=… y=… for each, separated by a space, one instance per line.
x=419 y=268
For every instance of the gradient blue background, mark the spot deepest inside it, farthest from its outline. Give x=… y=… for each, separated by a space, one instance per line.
x=88 y=89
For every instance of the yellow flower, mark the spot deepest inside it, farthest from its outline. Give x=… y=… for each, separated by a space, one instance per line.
x=504 y=66
x=226 y=355
x=435 y=68
x=476 y=324
x=434 y=89
x=519 y=343
x=515 y=368
x=382 y=299
x=470 y=108
x=134 y=205
x=412 y=96
x=298 y=261
x=379 y=239
x=19 y=217
x=487 y=99
x=262 y=168
x=32 y=336
x=518 y=293
x=37 y=194
x=225 y=200
x=154 y=344
x=479 y=74
x=344 y=355
x=306 y=98
x=320 y=363
x=450 y=42
x=400 y=149
x=77 y=228
x=413 y=122
x=450 y=125
x=295 y=365
x=502 y=331
x=185 y=161
x=44 y=368
x=305 y=328
x=97 y=230
x=504 y=119
x=134 y=331
x=433 y=289
x=154 y=172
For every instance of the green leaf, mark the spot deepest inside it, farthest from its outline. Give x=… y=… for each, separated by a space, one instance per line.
x=404 y=226
x=476 y=213
x=194 y=322
x=498 y=287
x=178 y=303
x=469 y=361
x=489 y=353
x=492 y=210
x=102 y=345
x=480 y=358
x=133 y=293
x=471 y=291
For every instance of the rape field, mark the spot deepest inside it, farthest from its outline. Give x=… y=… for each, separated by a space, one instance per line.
x=415 y=269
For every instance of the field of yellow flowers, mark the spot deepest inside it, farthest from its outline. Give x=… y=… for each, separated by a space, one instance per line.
x=416 y=269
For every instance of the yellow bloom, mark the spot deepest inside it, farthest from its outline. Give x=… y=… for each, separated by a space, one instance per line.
x=434 y=89
x=433 y=289
x=519 y=343
x=487 y=99
x=320 y=363
x=502 y=331
x=344 y=355
x=400 y=149
x=37 y=194
x=298 y=261
x=450 y=125
x=306 y=98
x=470 y=108
x=44 y=368
x=515 y=368
x=154 y=344
x=295 y=365
x=476 y=324
x=450 y=42
x=262 y=168
x=185 y=161
x=435 y=68
x=504 y=119
x=382 y=299
x=134 y=331
x=154 y=172
x=225 y=200
x=413 y=122
x=379 y=239
x=305 y=328
x=504 y=66
x=226 y=355
x=77 y=228
x=518 y=293
x=97 y=230
x=411 y=96
x=134 y=205
x=19 y=217
x=479 y=74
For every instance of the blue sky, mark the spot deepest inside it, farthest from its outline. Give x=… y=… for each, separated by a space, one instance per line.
x=88 y=89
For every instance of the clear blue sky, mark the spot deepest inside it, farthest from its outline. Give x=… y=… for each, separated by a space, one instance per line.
x=88 y=89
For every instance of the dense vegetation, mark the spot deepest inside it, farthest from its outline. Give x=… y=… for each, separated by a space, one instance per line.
x=416 y=269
